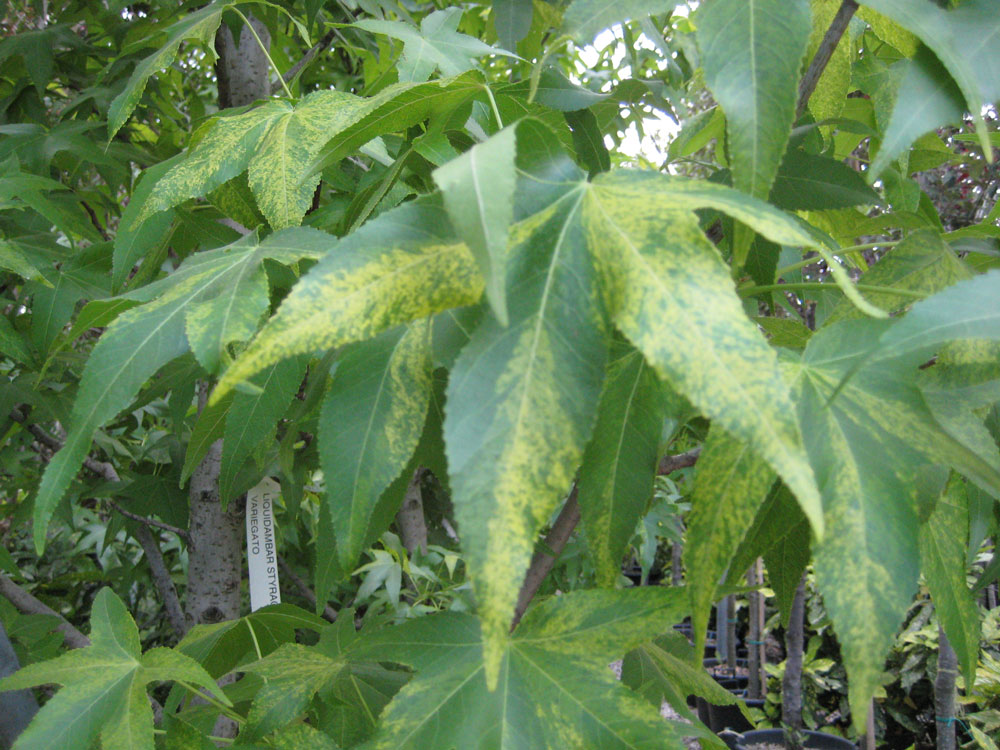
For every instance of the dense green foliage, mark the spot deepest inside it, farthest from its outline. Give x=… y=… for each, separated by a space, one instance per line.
x=434 y=261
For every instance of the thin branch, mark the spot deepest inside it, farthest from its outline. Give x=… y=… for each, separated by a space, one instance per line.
x=29 y=605
x=161 y=578
x=679 y=461
x=94 y=221
x=823 y=54
x=329 y=613
x=151 y=522
x=309 y=56
x=545 y=558
x=543 y=562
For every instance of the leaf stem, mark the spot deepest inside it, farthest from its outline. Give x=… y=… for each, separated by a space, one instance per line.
x=839 y=251
x=748 y=291
x=493 y=103
x=253 y=637
x=263 y=49
x=536 y=72
x=211 y=699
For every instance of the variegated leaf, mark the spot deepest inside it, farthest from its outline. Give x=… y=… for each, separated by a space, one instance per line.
x=521 y=404
x=557 y=659
x=867 y=436
x=371 y=420
x=730 y=484
x=144 y=338
x=943 y=545
x=404 y=265
x=659 y=269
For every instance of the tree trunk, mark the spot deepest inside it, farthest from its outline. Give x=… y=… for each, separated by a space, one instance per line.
x=730 y=627
x=215 y=556
x=791 y=683
x=676 y=564
x=17 y=707
x=410 y=518
x=944 y=692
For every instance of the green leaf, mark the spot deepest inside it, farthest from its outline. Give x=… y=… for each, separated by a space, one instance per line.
x=200 y=26
x=927 y=98
x=867 y=436
x=620 y=462
x=219 y=647
x=12 y=343
x=809 y=182
x=478 y=190
x=664 y=669
x=292 y=674
x=558 y=658
x=786 y=559
x=512 y=19
x=964 y=40
x=660 y=269
x=104 y=686
x=210 y=426
x=521 y=403
x=585 y=18
x=968 y=309
x=371 y=420
x=922 y=262
x=751 y=53
x=404 y=265
x=942 y=557
x=436 y=45
x=144 y=338
x=251 y=419
x=134 y=240
x=730 y=483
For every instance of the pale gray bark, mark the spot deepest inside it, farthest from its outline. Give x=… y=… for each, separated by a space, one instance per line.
x=215 y=560
x=242 y=67
x=410 y=519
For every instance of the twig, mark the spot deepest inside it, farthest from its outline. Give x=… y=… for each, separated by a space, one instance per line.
x=161 y=578
x=101 y=468
x=309 y=56
x=329 y=613
x=29 y=605
x=823 y=54
x=94 y=221
x=543 y=562
x=545 y=558
x=147 y=521
x=678 y=461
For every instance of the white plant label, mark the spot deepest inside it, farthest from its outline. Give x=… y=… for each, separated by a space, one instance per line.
x=262 y=552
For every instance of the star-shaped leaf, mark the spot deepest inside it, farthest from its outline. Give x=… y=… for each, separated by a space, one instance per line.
x=555 y=688
x=104 y=686
x=437 y=44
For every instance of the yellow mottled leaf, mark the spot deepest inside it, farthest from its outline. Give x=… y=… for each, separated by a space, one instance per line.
x=660 y=270
x=405 y=265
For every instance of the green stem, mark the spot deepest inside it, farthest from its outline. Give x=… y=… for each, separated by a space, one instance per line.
x=748 y=291
x=263 y=49
x=493 y=103
x=211 y=699
x=536 y=72
x=840 y=251
x=253 y=637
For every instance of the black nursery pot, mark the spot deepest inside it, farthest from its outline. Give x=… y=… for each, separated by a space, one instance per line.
x=813 y=740
x=721 y=718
